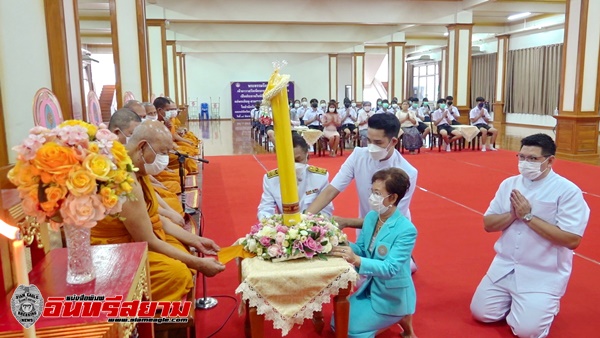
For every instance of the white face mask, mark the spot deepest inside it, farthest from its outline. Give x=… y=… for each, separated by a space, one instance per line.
x=394 y=105
x=161 y=161
x=376 y=203
x=143 y=119
x=331 y=110
x=367 y=108
x=377 y=153
x=300 y=169
x=323 y=105
x=353 y=104
x=531 y=170
x=169 y=114
x=305 y=104
x=296 y=105
x=152 y=117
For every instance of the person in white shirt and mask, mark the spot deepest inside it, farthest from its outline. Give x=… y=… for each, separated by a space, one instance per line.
x=480 y=117
x=363 y=118
x=542 y=217
x=348 y=117
x=381 y=153
x=311 y=181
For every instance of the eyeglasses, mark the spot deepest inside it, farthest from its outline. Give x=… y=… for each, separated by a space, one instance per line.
x=522 y=157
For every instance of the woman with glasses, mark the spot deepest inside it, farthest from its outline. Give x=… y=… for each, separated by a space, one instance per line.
x=382 y=255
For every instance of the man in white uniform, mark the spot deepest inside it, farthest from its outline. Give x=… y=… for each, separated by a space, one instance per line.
x=363 y=163
x=454 y=113
x=542 y=217
x=311 y=181
x=480 y=117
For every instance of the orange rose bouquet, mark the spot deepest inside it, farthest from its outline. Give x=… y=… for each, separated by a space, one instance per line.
x=76 y=174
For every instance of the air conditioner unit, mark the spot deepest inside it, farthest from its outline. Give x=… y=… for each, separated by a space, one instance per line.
x=425 y=57
x=476 y=50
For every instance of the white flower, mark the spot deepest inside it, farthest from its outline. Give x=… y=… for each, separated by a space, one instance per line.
x=285 y=244
x=293 y=233
x=251 y=244
x=303 y=232
x=259 y=251
x=327 y=247
x=334 y=240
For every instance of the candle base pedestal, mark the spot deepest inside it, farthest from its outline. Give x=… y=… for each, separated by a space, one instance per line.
x=80 y=264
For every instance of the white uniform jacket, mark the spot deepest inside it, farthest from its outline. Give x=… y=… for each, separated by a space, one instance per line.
x=310 y=185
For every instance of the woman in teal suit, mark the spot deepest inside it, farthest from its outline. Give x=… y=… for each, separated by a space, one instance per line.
x=382 y=255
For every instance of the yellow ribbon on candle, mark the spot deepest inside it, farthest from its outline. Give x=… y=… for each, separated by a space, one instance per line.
x=276 y=93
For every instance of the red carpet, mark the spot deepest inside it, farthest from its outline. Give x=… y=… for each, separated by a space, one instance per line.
x=452 y=252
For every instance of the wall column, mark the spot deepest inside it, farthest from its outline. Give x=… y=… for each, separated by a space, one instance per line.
x=172 y=69
x=443 y=71
x=459 y=68
x=499 y=116
x=396 y=67
x=183 y=81
x=577 y=122
x=333 y=76
x=358 y=75
x=129 y=49
x=157 y=57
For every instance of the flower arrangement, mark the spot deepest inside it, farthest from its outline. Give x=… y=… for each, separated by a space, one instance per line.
x=315 y=235
x=76 y=173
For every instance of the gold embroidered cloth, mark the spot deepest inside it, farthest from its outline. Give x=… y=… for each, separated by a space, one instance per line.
x=289 y=292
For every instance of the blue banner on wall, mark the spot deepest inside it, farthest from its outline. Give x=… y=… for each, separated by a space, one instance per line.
x=245 y=94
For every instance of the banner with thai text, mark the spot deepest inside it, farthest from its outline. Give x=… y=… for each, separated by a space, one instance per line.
x=245 y=94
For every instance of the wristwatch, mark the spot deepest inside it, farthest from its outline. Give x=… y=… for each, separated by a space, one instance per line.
x=528 y=217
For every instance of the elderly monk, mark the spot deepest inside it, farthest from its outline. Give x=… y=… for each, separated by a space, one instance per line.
x=136 y=107
x=171 y=264
x=122 y=123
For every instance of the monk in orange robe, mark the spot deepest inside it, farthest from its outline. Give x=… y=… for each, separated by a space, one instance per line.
x=171 y=265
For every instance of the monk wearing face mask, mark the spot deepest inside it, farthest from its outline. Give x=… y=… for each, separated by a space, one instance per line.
x=171 y=265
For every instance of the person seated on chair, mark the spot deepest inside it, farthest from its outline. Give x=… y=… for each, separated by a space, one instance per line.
x=348 y=116
x=363 y=117
x=254 y=113
x=151 y=113
x=136 y=107
x=122 y=123
x=312 y=115
x=454 y=113
x=385 y=108
x=311 y=181
x=425 y=110
x=382 y=254
x=171 y=264
x=411 y=138
x=331 y=122
x=442 y=118
x=422 y=127
x=479 y=118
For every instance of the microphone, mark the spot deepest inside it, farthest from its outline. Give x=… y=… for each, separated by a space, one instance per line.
x=175 y=152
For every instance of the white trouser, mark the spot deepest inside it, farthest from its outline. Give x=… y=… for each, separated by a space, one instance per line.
x=529 y=314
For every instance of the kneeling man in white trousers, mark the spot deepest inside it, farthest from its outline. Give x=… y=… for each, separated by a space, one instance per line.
x=542 y=217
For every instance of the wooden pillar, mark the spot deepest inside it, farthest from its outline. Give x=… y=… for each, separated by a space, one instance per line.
x=358 y=76
x=459 y=68
x=172 y=70
x=333 y=76
x=578 y=118
x=157 y=57
x=443 y=75
x=183 y=80
x=59 y=58
x=396 y=71
x=114 y=30
x=498 y=104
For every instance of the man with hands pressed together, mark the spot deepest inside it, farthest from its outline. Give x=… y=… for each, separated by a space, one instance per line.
x=542 y=217
x=480 y=117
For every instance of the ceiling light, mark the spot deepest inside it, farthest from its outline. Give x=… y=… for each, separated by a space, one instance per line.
x=446 y=34
x=518 y=16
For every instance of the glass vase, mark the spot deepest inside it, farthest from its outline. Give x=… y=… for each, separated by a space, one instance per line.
x=80 y=267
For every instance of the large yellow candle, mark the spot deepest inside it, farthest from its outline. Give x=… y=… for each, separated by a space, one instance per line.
x=276 y=92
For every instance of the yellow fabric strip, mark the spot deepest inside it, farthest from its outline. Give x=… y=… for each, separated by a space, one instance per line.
x=227 y=254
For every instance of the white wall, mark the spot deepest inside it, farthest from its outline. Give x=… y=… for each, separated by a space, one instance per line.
x=344 y=75
x=542 y=38
x=209 y=75
x=24 y=65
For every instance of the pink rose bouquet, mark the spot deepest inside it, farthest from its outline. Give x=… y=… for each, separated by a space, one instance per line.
x=315 y=235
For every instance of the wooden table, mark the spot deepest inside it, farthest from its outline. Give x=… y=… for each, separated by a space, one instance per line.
x=121 y=270
x=264 y=288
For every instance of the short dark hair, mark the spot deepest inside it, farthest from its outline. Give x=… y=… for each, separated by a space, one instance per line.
x=540 y=140
x=161 y=102
x=299 y=141
x=449 y=97
x=425 y=99
x=122 y=118
x=479 y=99
x=441 y=101
x=314 y=100
x=389 y=123
x=415 y=99
x=396 y=181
